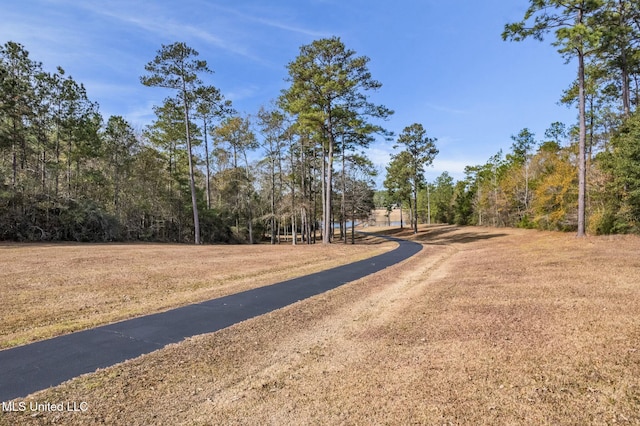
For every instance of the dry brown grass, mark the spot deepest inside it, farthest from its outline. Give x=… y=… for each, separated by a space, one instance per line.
x=482 y=327
x=51 y=289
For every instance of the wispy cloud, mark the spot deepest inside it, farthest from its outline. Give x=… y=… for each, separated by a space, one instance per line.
x=38 y=34
x=273 y=23
x=241 y=93
x=454 y=167
x=141 y=115
x=447 y=141
x=291 y=28
x=379 y=154
x=448 y=110
x=166 y=27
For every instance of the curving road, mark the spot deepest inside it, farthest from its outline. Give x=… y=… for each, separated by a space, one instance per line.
x=39 y=365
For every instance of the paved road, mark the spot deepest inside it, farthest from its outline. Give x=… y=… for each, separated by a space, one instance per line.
x=39 y=365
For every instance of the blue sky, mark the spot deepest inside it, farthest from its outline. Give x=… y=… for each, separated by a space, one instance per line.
x=441 y=63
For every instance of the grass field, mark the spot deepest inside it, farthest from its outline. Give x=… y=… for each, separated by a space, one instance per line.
x=52 y=289
x=484 y=326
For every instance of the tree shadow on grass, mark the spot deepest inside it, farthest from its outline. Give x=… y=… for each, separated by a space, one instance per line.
x=443 y=234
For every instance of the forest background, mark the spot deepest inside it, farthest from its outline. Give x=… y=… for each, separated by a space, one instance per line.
x=67 y=173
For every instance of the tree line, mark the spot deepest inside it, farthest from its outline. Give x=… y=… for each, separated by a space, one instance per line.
x=191 y=175
x=583 y=177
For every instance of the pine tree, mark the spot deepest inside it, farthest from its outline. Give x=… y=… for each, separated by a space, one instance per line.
x=327 y=95
x=421 y=151
x=576 y=36
x=175 y=67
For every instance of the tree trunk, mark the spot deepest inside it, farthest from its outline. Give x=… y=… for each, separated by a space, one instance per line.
x=14 y=165
x=526 y=186
x=273 y=202
x=306 y=196
x=69 y=167
x=278 y=229
x=414 y=213
x=326 y=199
x=315 y=194
x=343 y=212
x=192 y=183
x=294 y=233
x=329 y=199
x=116 y=186
x=57 y=149
x=44 y=169
x=478 y=198
x=624 y=68
x=428 y=205
x=582 y=182
x=626 y=86
x=208 y=168
x=248 y=195
x=353 y=228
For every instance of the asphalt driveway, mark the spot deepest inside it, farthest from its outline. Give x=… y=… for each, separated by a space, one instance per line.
x=39 y=365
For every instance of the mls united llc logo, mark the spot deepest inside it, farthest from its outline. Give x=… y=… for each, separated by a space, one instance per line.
x=33 y=406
